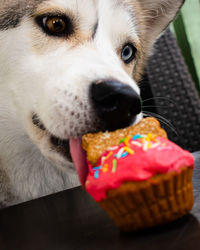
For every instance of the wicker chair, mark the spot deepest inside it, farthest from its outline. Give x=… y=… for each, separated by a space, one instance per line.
x=175 y=98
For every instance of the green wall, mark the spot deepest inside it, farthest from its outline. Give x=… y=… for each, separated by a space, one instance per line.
x=187 y=30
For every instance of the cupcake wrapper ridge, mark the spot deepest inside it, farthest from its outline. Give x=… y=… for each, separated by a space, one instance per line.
x=140 y=205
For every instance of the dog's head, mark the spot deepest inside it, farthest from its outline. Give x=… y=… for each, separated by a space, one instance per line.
x=72 y=66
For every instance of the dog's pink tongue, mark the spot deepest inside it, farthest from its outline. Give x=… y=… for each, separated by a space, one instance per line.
x=79 y=159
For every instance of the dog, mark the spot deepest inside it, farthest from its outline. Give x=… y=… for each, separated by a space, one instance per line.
x=68 y=68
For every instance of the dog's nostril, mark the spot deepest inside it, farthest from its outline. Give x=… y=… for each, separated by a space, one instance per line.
x=117 y=104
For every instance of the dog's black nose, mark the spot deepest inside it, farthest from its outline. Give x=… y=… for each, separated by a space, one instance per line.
x=116 y=104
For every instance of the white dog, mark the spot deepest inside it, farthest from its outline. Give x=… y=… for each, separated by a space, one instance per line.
x=67 y=67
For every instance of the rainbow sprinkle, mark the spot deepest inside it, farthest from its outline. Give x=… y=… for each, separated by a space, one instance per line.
x=105 y=168
x=112 y=148
x=136 y=137
x=136 y=143
x=124 y=155
x=87 y=183
x=126 y=141
x=155 y=145
x=108 y=156
x=96 y=172
x=114 y=166
x=129 y=150
x=119 y=154
x=102 y=160
x=122 y=140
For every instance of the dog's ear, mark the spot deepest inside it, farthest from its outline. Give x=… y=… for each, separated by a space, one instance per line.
x=158 y=14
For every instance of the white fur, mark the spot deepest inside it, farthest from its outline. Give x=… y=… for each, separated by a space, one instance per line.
x=51 y=77
x=47 y=84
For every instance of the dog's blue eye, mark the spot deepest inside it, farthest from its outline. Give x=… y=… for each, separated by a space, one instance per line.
x=128 y=53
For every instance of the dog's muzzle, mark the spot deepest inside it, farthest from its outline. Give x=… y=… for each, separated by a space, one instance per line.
x=116 y=104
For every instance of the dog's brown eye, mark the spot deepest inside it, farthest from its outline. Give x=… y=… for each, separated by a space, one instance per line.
x=55 y=25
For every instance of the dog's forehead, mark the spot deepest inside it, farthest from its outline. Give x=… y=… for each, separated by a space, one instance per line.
x=12 y=11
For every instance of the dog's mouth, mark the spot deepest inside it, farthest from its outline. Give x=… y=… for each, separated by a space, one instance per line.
x=71 y=149
x=61 y=146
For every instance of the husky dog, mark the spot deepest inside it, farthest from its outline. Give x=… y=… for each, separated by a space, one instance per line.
x=68 y=67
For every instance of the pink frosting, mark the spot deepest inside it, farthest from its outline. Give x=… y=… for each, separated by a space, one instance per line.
x=146 y=158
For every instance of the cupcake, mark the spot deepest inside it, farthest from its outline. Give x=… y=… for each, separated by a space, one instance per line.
x=141 y=180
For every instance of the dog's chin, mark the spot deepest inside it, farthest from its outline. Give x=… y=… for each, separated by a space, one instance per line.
x=61 y=146
x=61 y=152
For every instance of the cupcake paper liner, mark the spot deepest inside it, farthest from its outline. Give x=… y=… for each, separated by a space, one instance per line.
x=140 y=205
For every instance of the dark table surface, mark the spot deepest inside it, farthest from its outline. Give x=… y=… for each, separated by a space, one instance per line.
x=71 y=220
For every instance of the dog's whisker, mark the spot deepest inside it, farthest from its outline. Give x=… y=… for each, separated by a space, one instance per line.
x=162 y=120
x=159 y=97
x=159 y=116
x=155 y=106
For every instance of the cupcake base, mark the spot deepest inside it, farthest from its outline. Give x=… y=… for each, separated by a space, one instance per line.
x=140 y=205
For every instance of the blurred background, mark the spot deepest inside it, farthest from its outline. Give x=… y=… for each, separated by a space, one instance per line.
x=187 y=31
x=168 y=92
